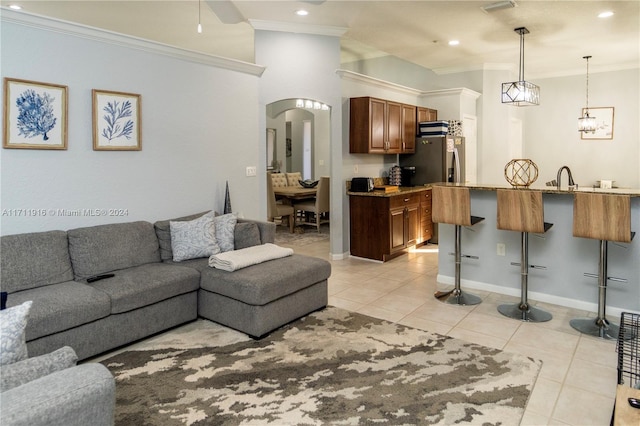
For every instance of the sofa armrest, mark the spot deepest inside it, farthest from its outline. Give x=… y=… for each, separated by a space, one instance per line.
x=267 y=229
x=81 y=395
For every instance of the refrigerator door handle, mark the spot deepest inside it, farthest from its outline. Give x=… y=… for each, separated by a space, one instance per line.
x=456 y=158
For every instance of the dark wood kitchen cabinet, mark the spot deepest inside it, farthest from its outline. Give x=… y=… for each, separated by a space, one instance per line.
x=426 y=114
x=409 y=129
x=383 y=227
x=426 y=224
x=378 y=126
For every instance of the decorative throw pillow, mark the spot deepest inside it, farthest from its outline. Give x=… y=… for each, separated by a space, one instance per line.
x=13 y=321
x=246 y=235
x=30 y=369
x=163 y=232
x=194 y=239
x=225 y=226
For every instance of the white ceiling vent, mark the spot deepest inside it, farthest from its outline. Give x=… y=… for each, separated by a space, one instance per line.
x=507 y=4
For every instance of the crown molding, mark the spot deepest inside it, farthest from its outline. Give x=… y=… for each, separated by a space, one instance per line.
x=91 y=33
x=289 y=27
x=376 y=82
x=458 y=91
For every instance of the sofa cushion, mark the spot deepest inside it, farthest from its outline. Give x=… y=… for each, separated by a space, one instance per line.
x=163 y=233
x=194 y=238
x=267 y=229
x=34 y=259
x=30 y=369
x=225 y=226
x=268 y=281
x=144 y=285
x=62 y=306
x=104 y=248
x=245 y=235
x=13 y=322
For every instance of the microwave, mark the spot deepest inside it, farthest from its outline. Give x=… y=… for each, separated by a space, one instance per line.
x=362 y=184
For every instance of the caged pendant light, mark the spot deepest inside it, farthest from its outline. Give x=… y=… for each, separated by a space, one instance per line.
x=521 y=92
x=586 y=123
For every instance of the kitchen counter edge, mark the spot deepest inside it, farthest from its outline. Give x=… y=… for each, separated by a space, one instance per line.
x=548 y=189
x=401 y=191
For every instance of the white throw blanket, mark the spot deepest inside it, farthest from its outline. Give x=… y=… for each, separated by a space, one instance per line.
x=238 y=259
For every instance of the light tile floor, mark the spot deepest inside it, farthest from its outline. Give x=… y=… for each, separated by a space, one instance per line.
x=577 y=383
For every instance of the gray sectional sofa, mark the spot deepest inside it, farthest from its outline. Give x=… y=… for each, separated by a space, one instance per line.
x=149 y=292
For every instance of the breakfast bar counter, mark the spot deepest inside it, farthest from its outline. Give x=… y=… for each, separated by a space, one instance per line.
x=632 y=192
x=565 y=258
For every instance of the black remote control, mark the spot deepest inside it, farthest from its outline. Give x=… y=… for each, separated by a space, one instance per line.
x=99 y=277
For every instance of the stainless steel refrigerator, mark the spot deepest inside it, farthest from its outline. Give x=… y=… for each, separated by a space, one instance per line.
x=437 y=159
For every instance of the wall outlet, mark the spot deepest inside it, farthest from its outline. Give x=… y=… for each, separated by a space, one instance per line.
x=355 y=168
x=251 y=171
x=501 y=249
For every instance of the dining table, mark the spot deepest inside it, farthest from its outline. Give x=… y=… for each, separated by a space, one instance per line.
x=295 y=192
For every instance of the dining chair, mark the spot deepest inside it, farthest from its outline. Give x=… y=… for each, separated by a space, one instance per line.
x=278 y=179
x=317 y=205
x=275 y=209
x=293 y=179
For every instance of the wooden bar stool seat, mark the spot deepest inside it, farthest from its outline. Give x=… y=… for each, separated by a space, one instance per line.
x=603 y=217
x=522 y=210
x=452 y=205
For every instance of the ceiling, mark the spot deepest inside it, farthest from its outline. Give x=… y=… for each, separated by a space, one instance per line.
x=561 y=32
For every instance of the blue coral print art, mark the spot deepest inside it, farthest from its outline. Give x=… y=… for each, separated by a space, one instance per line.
x=35 y=115
x=116 y=121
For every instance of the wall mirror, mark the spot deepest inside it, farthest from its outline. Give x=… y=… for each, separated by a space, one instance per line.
x=298 y=137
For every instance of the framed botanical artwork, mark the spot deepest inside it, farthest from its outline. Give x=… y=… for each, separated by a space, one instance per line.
x=35 y=115
x=604 y=123
x=116 y=121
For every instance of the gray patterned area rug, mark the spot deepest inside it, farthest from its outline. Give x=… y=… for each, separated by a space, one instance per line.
x=332 y=367
x=303 y=235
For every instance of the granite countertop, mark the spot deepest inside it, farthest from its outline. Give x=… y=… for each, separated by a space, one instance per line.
x=401 y=190
x=550 y=189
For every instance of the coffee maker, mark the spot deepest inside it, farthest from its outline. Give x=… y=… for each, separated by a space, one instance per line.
x=408 y=172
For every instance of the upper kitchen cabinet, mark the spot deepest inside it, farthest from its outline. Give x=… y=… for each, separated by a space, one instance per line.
x=426 y=114
x=378 y=126
x=409 y=129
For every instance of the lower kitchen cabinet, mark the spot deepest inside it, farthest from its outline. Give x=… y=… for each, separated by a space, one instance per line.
x=384 y=226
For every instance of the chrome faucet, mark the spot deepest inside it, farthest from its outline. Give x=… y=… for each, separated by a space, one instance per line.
x=572 y=184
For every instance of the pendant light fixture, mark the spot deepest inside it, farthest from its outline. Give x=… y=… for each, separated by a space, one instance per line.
x=199 y=24
x=586 y=123
x=521 y=92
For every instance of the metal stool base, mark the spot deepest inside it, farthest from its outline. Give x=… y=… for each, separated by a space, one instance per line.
x=596 y=327
x=454 y=297
x=524 y=312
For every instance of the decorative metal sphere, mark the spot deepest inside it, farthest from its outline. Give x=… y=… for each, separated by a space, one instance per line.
x=521 y=172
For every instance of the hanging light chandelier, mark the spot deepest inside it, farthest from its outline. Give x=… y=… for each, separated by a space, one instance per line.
x=521 y=92
x=199 y=24
x=586 y=123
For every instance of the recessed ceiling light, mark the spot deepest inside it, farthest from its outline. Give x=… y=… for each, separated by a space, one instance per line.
x=454 y=43
x=605 y=14
x=302 y=12
x=15 y=7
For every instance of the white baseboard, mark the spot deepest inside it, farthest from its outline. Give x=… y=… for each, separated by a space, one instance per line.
x=612 y=311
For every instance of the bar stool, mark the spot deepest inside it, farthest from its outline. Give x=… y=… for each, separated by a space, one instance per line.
x=452 y=205
x=522 y=210
x=603 y=217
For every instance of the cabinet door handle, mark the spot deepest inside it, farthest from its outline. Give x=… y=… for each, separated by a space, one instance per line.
x=406 y=200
